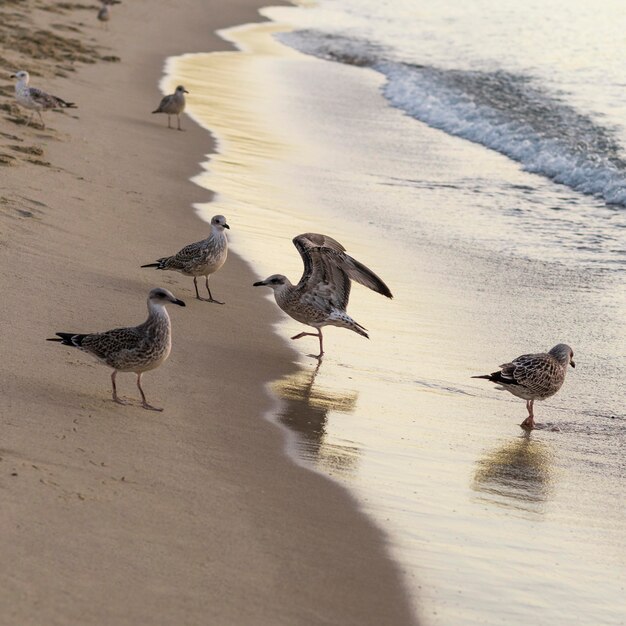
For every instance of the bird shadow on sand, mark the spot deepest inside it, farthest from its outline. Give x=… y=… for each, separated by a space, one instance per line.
x=305 y=410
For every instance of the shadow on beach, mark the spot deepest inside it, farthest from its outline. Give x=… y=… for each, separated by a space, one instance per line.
x=305 y=412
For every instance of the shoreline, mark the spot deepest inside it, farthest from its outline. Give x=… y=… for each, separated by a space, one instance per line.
x=114 y=514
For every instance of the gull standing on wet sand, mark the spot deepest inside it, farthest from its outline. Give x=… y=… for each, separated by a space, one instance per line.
x=202 y=258
x=174 y=104
x=135 y=349
x=321 y=296
x=36 y=100
x=534 y=376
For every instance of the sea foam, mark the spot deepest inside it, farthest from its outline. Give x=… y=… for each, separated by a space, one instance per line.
x=503 y=111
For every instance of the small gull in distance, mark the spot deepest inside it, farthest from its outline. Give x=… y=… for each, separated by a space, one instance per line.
x=34 y=99
x=135 y=349
x=174 y=104
x=104 y=14
x=321 y=297
x=534 y=376
x=202 y=258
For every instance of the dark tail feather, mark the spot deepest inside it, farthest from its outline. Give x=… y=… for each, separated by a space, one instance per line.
x=157 y=111
x=68 y=339
x=496 y=377
x=67 y=105
x=152 y=265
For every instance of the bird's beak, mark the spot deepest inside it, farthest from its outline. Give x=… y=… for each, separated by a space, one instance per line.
x=13 y=76
x=572 y=363
x=261 y=283
x=178 y=302
x=185 y=91
x=227 y=226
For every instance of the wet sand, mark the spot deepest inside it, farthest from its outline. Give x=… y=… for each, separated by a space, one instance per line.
x=492 y=525
x=116 y=515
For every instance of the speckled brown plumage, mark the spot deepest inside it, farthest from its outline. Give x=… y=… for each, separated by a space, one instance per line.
x=534 y=376
x=321 y=296
x=202 y=258
x=135 y=349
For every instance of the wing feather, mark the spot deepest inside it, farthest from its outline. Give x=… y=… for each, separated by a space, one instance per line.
x=328 y=270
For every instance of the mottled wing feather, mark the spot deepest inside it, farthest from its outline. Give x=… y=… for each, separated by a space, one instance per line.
x=112 y=342
x=191 y=254
x=334 y=254
x=539 y=373
x=165 y=103
x=45 y=99
x=324 y=284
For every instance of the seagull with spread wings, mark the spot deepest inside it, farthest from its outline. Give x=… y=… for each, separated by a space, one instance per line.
x=321 y=297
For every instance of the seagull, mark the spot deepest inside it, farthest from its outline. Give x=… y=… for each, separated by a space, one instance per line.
x=534 y=376
x=35 y=99
x=174 y=104
x=202 y=258
x=103 y=14
x=321 y=296
x=135 y=349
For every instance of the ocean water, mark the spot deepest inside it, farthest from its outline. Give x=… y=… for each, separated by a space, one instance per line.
x=473 y=155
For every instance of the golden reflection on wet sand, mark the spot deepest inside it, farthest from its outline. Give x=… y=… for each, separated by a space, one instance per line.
x=305 y=410
x=414 y=466
x=516 y=474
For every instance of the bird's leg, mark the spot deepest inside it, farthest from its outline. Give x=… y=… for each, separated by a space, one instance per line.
x=116 y=398
x=30 y=119
x=43 y=124
x=144 y=404
x=321 y=354
x=210 y=298
x=529 y=422
x=195 y=284
x=305 y=335
x=178 y=116
x=168 y=121
x=318 y=334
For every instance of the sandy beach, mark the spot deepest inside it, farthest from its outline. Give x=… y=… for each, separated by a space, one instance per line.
x=116 y=515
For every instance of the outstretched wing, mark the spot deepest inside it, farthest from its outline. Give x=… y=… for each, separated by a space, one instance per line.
x=323 y=282
x=328 y=269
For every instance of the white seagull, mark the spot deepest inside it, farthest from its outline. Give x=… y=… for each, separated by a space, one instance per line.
x=34 y=99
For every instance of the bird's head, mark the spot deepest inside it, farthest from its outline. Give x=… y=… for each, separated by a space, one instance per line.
x=219 y=222
x=180 y=89
x=161 y=297
x=563 y=354
x=21 y=75
x=275 y=281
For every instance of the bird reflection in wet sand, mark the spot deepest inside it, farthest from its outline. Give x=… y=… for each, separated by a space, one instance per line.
x=516 y=475
x=305 y=411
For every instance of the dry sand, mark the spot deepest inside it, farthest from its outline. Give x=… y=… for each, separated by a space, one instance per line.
x=116 y=515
